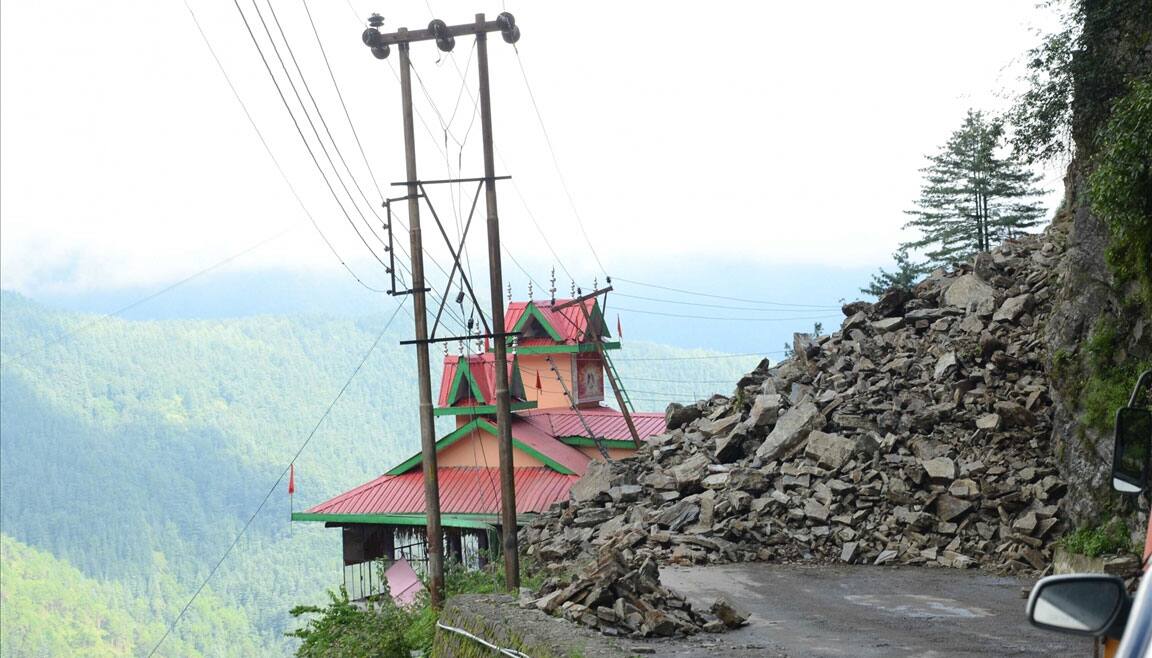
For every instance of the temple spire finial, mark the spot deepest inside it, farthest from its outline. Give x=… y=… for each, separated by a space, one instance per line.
x=552 y=281
x=529 y=291
x=571 y=288
x=509 y=293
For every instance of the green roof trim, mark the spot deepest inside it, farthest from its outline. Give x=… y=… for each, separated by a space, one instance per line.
x=608 y=443
x=463 y=431
x=464 y=371
x=480 y=410
x=478 y=521
x=580 y=348
x=548 y=461
x=444 y=442
x=530 y=311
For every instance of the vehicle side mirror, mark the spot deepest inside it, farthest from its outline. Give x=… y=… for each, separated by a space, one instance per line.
x=1133 y=444
x=1082 y=604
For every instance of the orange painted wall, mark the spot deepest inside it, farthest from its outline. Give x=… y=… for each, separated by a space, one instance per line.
x=479 y=448
x=551 y=394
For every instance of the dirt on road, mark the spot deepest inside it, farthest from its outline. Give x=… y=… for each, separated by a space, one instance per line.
x=867 y=611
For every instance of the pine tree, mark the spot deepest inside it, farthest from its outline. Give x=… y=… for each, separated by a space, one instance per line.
x=903 y=278
x=972 y=198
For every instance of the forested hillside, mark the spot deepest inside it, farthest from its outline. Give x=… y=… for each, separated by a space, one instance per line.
x=133 y=451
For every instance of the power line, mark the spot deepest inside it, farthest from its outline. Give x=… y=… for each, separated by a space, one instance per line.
x=678 y=381
x=308 y=117
x=715 y=296
x=280 y=479
x=339 y=95
x=93 y=322
x=723 y=306
x=731 y=319
x=268 y=150
x=556 y=162
x=694 y=358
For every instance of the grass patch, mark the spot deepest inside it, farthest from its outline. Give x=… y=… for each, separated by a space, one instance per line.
x=1094 y=541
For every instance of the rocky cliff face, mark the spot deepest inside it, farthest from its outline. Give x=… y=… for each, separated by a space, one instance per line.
x=917 y=434
x=1089 y=304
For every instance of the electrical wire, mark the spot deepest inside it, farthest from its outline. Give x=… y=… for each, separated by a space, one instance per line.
x=280 y=479
x=556 y=162
x=723 y=306
x=695 y=358
x=268 y=150
x=312 y=125
x=715 y=296
x=94 y=321
x=347 y=115
x=731 y=319
x=295 y=122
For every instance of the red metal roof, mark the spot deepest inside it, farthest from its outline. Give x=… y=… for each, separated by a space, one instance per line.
x=482 y=367
x=548 y=445
x=569 y=322
x=463 y=490
x=605 y=422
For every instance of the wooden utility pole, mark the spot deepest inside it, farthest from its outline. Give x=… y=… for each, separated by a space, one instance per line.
x=434 y=547
x=500 y=345
x=445 y=37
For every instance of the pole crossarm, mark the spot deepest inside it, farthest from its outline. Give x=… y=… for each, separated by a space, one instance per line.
x=409 y=36
x=448 y=339
x=582 y=298
x=477 y=179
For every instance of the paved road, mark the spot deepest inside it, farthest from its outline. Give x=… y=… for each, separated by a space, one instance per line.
x=868 y=611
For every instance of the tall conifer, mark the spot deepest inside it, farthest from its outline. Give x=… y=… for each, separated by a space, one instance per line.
x=972 y=198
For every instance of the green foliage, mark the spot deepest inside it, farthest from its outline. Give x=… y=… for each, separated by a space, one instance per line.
x=972 y=198
x=344 y=630
x=1104 y=539
x=1109 y=382
x=905 y=276
x=1041 y=117
x=1121 y=186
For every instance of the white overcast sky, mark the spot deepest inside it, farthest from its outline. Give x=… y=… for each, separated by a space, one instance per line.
x=768 y=131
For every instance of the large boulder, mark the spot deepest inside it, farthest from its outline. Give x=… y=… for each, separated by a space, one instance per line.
x=792 y=428
x=595 y=482
x=829 y=450
x=970 y=293
x=678 y=415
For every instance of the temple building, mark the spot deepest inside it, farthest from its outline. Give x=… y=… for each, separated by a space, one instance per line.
x=559 y=364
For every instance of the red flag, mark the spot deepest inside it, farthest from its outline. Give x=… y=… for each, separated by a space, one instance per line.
x=538 y=386
x=487 y=347
x=291 y=478
x=619 y=329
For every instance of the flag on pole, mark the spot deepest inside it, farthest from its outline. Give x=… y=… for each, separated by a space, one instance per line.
x=291 y=478
x=538 y=385
x=619 y=329
x=487 y=347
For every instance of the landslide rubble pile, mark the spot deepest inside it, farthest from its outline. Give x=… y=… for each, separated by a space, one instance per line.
x=917 y=434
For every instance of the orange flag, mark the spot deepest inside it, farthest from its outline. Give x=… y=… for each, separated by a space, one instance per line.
x=291 y=478
x=619 y=329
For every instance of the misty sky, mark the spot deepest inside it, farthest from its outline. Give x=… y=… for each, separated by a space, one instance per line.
x=776 y=132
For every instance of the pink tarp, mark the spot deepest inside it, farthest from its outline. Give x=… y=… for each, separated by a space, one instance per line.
x=403 y=584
